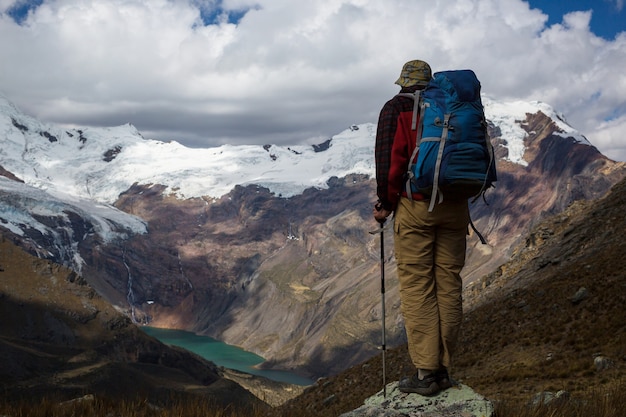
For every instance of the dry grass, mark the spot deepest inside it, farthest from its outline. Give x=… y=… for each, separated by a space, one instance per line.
x=608 y=402
x=104 y=407
x=524 y=334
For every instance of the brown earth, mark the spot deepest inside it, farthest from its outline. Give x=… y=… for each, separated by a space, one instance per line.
x=528 y=327
x=60 y=339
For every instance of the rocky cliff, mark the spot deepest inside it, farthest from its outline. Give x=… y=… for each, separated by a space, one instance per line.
x=295 y=279
x=559 y=171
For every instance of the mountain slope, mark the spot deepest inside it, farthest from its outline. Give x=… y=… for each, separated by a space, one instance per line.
x=262 y=247
x=58 y=338
x=550 y=319
x=558 y=169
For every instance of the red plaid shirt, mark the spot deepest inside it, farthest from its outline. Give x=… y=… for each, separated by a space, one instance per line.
x=389 y=187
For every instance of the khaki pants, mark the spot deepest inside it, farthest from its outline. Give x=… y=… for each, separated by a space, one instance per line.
x=430 y=252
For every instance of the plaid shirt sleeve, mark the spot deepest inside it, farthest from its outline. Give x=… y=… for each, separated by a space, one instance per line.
x=386 y=130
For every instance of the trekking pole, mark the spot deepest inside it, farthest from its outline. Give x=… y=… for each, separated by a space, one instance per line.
x=382 y=294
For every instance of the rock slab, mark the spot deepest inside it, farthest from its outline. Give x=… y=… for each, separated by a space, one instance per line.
x=458 y=401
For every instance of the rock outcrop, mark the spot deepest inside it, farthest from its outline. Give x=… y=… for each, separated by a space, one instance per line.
x=458 y=401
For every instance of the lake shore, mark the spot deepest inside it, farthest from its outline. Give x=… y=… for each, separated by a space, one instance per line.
x=272 y=392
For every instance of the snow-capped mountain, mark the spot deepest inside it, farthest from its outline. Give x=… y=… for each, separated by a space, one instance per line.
x=265 y=247
x=508 y=117
x=102 y=163
x=89 y=168
x=23 y=207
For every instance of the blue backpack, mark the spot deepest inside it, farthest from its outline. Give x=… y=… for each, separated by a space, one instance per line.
x=455 y=158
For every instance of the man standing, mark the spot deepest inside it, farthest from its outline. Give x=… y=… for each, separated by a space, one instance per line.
x=429 y=245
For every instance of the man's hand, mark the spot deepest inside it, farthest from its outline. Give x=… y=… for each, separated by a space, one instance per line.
x=380 y=214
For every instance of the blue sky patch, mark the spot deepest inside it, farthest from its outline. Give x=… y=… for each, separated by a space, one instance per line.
x=210 y=16
x=214 y=16
x=608 y=17
x=19 y=11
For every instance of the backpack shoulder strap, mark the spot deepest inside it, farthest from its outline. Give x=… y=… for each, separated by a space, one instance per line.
x=442 y=143
x=482 y=239
x=418 y=104
x=418 y=108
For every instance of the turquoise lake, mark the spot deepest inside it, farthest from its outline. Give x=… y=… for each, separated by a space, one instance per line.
x=222 y=354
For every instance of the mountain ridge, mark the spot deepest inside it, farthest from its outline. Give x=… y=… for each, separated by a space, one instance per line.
x=231 y=266
x=277 y=168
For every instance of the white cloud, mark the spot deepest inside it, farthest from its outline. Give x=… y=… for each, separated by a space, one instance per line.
x=610 y=137
x=293 y=71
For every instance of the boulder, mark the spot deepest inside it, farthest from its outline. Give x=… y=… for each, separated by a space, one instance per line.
x=458 y=401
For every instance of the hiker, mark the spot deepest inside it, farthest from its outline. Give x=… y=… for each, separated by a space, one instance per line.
x=429 y=245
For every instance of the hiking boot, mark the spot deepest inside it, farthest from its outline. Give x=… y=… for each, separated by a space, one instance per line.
x=443 y=379
x=427 y=386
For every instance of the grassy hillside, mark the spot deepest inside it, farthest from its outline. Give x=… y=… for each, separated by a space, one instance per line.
x=538 y=323
x=529 y=327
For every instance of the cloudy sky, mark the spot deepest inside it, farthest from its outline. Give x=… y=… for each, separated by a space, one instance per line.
x=208 y=72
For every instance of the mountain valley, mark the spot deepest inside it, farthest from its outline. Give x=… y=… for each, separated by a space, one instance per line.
x=293 y=276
